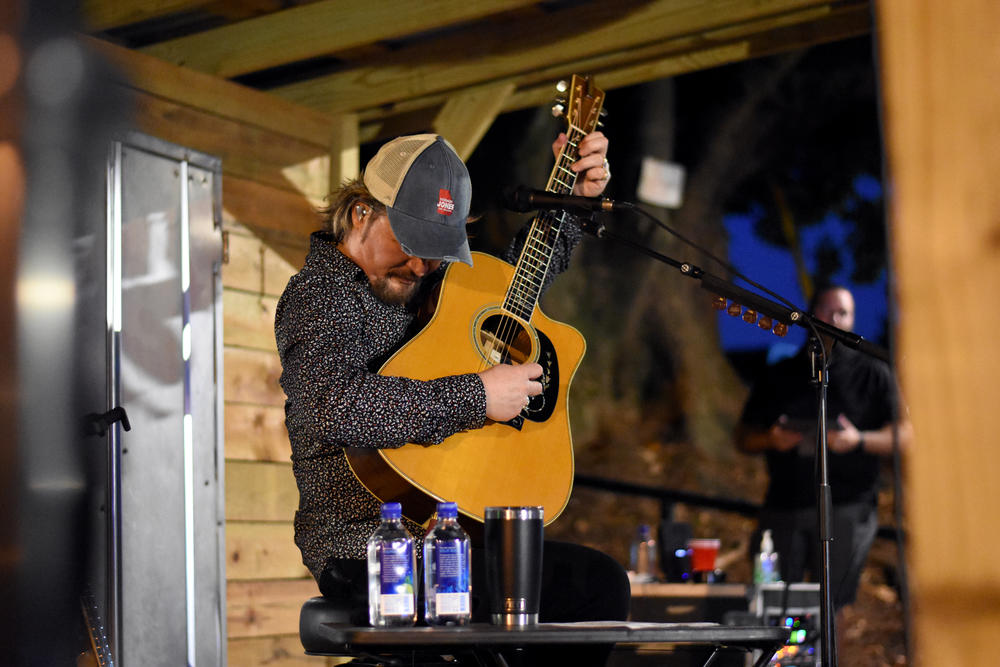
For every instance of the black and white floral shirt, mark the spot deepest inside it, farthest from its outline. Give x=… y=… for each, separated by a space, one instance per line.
x=333 y=334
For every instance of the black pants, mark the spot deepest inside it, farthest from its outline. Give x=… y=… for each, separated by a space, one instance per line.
x=578 y=584
x=796 y=539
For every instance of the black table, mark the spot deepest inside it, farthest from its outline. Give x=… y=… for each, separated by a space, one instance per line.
x=483 y=641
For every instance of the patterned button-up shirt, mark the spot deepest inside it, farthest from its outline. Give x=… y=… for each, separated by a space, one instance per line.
x=333 y=333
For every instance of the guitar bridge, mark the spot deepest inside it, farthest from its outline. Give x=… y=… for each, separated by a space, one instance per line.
x=517 y=422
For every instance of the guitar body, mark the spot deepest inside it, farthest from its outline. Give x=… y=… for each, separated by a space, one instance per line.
x=528 y=461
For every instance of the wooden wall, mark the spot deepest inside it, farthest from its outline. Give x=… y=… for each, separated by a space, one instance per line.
x=941 y=82
x=276 y=168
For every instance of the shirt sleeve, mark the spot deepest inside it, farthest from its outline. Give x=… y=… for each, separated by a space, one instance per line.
x=334 y=400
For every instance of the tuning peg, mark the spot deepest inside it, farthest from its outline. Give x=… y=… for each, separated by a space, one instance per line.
x=562 y=86
x=558 y=110
x=780 y=329
x=719 y=303
x=734 y=309
x=765 y=322
x=603 y=112
x=750 y=316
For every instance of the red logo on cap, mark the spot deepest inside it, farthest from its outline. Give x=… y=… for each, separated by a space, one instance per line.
x=445 y=203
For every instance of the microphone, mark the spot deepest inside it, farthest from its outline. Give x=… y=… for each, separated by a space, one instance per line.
x=522 y=199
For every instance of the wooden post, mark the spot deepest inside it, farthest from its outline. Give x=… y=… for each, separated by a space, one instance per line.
x=940 y=63
x=345 y=153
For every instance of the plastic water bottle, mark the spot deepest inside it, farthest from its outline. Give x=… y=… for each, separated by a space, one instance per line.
x=643 y=556
x=765 y=568
x=392 y=596
x=447 y=583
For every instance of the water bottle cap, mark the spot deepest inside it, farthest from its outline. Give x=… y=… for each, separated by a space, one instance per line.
x=447 y=510
x=392 y=511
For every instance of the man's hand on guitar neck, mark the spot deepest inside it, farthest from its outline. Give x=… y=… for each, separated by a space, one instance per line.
x=592 y=169
x=508 y=389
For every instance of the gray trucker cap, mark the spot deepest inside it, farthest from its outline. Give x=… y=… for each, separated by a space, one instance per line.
x=426 y=190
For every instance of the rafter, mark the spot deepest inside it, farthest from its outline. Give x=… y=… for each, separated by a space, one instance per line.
x=316 y=30
x=520 y=46
x=107 y=14
x=664 y=59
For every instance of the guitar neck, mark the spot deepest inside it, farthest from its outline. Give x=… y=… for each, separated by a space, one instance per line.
x=533 y=264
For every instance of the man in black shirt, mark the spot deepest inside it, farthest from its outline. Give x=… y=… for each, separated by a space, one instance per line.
x=779 y=420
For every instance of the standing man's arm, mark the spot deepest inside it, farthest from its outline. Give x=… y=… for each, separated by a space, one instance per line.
x=879 y=441
x=754 y=439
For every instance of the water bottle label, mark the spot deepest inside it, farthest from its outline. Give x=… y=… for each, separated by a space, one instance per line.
x=452 y=567
x=396 y=604
x=452 y=603
x=396 y=579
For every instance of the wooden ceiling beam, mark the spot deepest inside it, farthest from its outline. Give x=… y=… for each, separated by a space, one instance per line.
x=101 y=15
x=218 y=96
x=844 y=23
x=665 y=59
x=317 y=29
x=517 y=47
x=466 y=117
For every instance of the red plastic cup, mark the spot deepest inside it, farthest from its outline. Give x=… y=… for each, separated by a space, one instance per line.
x=703 y=552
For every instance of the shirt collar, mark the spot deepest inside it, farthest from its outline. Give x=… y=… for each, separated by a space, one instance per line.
x=323 y=246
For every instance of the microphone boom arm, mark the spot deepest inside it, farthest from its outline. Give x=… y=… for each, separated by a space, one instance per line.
x=729 y=290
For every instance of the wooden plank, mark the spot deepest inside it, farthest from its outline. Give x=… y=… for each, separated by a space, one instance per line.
x=466 y=116
x=275 y=215
x=675 y=57
x=260 y=491
x=251 y=376
x=257 y=550
x=311 y=177
x=280 y=651
x=248 y=320
x=107 y=14
x=506 y=49
x=246 y=151
x=222 y=98
x=263 y=608
x=661 y=59
x=316 y=29
x=256 y=433
x=942 y=104
x=255 y=266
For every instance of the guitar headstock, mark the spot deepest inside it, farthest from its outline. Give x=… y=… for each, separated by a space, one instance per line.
x=583 y=109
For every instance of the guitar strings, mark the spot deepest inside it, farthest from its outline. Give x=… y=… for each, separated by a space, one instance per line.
x=536 y=253
x=541 y=238
x=542 y=226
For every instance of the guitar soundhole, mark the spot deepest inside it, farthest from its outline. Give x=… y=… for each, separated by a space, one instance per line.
x=504 y=340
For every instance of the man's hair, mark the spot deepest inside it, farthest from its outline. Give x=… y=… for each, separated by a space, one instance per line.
x=336 y=215
x=821 y=290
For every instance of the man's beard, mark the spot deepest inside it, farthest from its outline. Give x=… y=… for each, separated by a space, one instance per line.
x=395 y=293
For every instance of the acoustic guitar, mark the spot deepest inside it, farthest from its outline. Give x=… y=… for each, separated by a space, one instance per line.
x=488 y=315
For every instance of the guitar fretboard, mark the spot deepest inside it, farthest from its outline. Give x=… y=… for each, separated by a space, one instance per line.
x=533 y=264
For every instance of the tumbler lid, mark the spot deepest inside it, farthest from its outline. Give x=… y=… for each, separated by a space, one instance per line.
x=512 y=512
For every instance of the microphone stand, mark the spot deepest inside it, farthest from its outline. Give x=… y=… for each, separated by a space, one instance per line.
x=818 y=355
